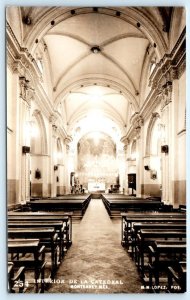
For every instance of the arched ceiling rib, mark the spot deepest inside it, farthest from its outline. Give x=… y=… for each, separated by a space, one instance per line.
x=99 y=80
x=70 y=35
x=122 y=35
x=104 y=44
x=42 y=22
x=110 y=102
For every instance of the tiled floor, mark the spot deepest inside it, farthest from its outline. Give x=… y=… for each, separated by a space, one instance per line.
x=96 y=262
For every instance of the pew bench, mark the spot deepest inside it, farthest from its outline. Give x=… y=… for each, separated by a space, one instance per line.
x=36 y=263
x=47 y=237
x=147 y=237
x=164 y=254
x=116 y=206
x=77 y=206
x=57 y=225
x=66 y=218
x=128 y=219
x=177 y=278
x=153 y=226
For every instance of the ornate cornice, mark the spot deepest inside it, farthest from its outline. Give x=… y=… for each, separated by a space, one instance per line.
x=137 y=120
x=19 y=58
x=125 y=140
x=169 y=67
x=22 y=62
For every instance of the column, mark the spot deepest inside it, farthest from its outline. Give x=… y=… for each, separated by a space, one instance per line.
x=166 y=120
x=69 y=166
x=26 y=95
x=125 y=148
x=13 y=137
x=139 y=161
x=53 y=163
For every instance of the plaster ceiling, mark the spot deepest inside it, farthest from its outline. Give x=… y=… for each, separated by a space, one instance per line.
x=108 y=81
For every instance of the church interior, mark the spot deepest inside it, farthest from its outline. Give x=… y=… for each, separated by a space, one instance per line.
x=96 y=149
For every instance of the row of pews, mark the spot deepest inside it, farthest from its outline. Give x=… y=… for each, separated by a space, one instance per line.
x=76 y=203
x=116 y=203
x=38 y=239
x=157 y=244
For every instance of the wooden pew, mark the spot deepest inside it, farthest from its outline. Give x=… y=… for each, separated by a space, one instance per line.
x=120 y=197
x=177 y=278
x=115 y=206
x=66 y=218
x=70 y=197
x=16 y=278
x=37 y=263
x=117 y=203
x=160 y=226
x=57 y=225
x=174 y=251
x=147 y=237
x=47 y=237
x=128 y=219
x=77 y=206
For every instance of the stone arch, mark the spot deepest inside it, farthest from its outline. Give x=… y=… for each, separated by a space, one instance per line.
x=103 y=81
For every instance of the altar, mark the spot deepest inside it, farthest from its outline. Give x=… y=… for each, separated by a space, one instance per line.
x=94 y=186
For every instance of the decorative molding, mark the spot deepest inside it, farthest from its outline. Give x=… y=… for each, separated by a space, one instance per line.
x=137 y=120
x=22 y=62
x=52 y=118
x=19 y=58
x=26 y=91
x=171 y=65
x=125 y=147
x=138 y=132
x=62 y=132
x=125 y=140
x=54 y=131
x=68 y=139
x=169 y=68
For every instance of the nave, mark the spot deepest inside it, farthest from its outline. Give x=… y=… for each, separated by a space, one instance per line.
x=96 y=148
x=97 y=254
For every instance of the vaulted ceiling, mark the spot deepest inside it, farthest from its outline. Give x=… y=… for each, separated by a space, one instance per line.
x=96 y=58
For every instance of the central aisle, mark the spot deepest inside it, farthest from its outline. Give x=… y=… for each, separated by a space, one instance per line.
x=96 y=254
